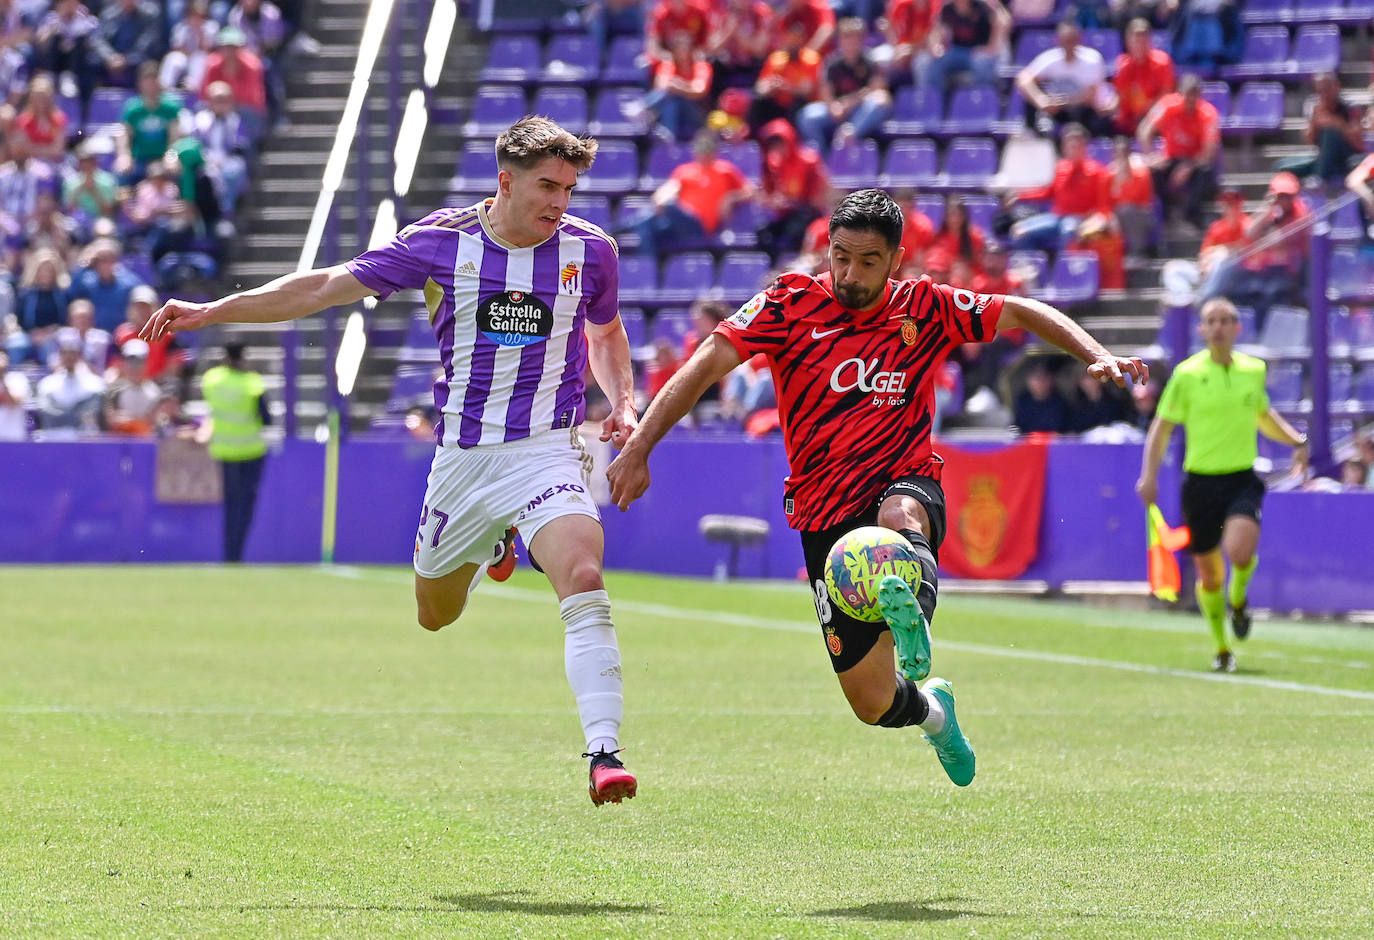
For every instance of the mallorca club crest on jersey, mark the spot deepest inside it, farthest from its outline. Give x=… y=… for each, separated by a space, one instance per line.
x=909 y=331
x=570 y=278
x=983 y=520
x=514 y=318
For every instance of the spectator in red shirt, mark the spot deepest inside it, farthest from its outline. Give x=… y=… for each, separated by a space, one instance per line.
x=741 y=41
x=42 y=121
x=1269 y=269
x=1131 y=194
x=791 y=77
x=241 y=69
x=854 y=95
x=670 y=17
x=795 y=187
x=957 y=244
x=1185 y=170
x=696 y=198
x=1099 y=234
x=682 y=87
x=1144 y=74
x=816 y=19
x=165 y=357
x=905 y=28
x=1225 y=237
x=1079 y=190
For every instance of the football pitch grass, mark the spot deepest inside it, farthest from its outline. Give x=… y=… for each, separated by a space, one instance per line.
x=281 y=752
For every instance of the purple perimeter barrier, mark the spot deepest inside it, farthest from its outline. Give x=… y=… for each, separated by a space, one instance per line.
x=93 y=502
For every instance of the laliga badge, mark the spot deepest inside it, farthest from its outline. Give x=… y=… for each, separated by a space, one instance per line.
x=909 y=331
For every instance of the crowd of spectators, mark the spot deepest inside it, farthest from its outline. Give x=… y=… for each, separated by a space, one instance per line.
x=127 y=133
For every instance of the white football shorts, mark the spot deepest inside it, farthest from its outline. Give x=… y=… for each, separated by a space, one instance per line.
x=475 y=494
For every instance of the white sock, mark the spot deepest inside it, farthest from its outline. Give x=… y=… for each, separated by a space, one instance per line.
x=935 y=716
x=592 y=660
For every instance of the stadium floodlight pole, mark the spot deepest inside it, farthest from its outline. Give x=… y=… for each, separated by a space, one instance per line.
x=346 y=365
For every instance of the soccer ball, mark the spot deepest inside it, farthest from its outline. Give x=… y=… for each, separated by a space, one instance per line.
x=859 y=561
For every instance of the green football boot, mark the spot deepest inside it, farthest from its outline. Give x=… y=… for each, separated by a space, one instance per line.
x=954 y=750
x=908 y=624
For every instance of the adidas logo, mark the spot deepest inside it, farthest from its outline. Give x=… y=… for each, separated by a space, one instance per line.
x=469 y=269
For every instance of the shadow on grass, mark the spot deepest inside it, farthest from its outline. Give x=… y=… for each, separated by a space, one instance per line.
x=519 y=902
x=902 y=910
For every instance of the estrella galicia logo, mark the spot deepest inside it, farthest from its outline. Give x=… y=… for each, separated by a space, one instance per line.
x=514 y=318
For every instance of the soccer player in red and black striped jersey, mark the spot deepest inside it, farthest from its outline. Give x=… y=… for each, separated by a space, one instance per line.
x=854 y=356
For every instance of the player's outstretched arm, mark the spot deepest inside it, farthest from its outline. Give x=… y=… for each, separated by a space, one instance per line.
x=287 y=298
x=629 y=473
x=608 y=352
x=1055 y=327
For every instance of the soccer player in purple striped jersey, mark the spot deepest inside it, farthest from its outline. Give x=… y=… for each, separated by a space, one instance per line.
x=522 y=297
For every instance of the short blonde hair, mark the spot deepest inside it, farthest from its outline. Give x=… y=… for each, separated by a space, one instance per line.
x=532 y=139
x=1219 y=305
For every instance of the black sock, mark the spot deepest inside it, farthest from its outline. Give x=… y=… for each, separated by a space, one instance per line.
x=908 y=706
x=930 y=577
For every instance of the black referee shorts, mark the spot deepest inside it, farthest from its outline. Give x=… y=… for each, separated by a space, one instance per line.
x=848 y=640
x=1210 y=499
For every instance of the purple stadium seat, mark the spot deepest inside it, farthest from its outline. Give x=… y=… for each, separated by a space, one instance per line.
x=1075 y=278
x=419 y=334
x=742 y=274
x=1218 y=94
x=571 y=59
x=616 y=169
x=741 y=229
x=636 y=326
x=909 y=162
x=914 y=112
x=854 y=166
x=1348 y=278
x=1284 y=383
x=1033 y=266
x=567 y=106
x=512 y=59
x=638 y=278
x=494 y=108
x=1320 y=11
x=1267 y=11
x=970 y=162
x=624 y=62
x=746 y=156
x=664 y=157
x=1341 y=377
x=687 y=276
x=1364 y=388
x=1102 y=149
x=595 y=209
x=609 y=120
x=1317 y=48
x=671 y=324
x=1163 y=39
x=1030 y=44
x=1266 y=53
x=1013 y=114
x=626 y=213
x=1258 y=107
x=413 y=385
x=981 y=210
x=1358 y=11
x=972 y=110
x=932 y=207
x=1339 y=332
x=476 y=168
x=1346 y=225
x=1105 y=41
x=107 y=104
x=1286 y=331
x=71 y=108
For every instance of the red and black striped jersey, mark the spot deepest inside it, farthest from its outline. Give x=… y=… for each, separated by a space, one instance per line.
x=855 y=389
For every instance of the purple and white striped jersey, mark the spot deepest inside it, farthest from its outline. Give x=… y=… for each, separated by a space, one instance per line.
x=509 y=320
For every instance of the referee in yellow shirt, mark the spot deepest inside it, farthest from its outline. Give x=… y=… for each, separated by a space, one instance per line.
x=1218 y=395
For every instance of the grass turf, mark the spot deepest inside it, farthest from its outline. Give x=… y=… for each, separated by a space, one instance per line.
x=281 y=752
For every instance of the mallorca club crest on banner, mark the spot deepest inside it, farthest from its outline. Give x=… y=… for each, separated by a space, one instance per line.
x=994 y=500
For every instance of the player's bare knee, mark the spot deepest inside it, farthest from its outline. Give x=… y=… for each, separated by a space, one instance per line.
x=868 y=706
x=585 y=575
x=434 y=619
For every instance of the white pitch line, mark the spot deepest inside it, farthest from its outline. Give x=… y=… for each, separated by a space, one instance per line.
x=791 y=626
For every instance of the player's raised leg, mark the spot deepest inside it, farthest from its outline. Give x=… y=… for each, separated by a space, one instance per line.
x=1239 y=540
x=891 y=700
x=908 y=616
x=570 y=550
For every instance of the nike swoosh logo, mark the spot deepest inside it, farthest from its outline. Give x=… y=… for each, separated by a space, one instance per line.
x=815 y=334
